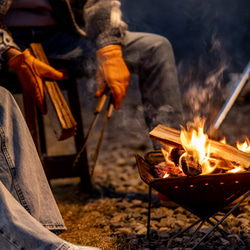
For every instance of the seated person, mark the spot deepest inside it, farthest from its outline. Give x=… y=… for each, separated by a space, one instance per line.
x=90 y=38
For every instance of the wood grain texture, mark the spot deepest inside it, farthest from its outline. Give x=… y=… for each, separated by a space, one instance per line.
x=63 y=122
x=170 y=136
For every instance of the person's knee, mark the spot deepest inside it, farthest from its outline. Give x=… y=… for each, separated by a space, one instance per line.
x=159 y=49
x=7 y=100
x=163 y=46
x=4 y=93
x=164 y=42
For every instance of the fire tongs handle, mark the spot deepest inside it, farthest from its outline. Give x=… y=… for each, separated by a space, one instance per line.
x=97 y=112
x=106 y=117
x=231 y=99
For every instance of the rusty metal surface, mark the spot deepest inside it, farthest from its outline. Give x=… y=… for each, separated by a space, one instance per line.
x=202 y=195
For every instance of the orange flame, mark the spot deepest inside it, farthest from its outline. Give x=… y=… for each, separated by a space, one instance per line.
x=196 y=143
x=223 y=140
x=245 y=146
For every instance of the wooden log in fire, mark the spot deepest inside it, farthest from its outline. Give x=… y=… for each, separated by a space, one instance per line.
x=171 y=137
x=190 y=165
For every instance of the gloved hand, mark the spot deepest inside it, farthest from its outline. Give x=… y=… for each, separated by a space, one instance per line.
x=30 y=72
x=113 y=71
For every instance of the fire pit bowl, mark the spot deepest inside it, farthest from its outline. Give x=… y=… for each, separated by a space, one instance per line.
x=203 y=195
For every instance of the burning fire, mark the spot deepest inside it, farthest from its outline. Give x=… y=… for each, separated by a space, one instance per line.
x=170 y=166
x=245 y=146
x=196 y=155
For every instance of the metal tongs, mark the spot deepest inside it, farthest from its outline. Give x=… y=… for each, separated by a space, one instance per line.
x=97 y=112
x=230 y=100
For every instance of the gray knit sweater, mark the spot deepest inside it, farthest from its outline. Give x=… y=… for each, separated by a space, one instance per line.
x=100 y=20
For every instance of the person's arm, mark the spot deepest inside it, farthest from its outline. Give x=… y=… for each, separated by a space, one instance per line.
x=103 y=22
x=6 y=42
x=9 y=53
x=31 y=72
x=105 y=27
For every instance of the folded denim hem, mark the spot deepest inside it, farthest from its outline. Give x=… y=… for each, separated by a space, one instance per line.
x=64 y=247
x=55 y=228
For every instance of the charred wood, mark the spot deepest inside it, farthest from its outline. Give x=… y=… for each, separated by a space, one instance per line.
x=190 y=165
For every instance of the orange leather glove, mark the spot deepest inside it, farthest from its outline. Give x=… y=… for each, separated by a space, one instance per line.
x=112 y=71
x=30 y=72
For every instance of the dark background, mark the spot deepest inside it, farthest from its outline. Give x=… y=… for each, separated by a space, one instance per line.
x=211 y=42
x=206 y=34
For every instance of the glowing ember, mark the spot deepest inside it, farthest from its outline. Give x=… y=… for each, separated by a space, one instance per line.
x=170 y=166
x=236 y=169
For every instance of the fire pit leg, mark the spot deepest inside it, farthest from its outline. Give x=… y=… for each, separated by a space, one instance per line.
x=219 y=222
x=183 y=231
x=149 y=211
x=195 y=232
x=223 y=231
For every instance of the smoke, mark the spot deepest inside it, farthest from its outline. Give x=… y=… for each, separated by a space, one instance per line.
x=198 y=30
x=202 y=89
x=210 y=41
x=191 y=24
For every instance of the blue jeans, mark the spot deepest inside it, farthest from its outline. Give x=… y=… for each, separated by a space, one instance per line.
x=150 y=56
x=28 y=211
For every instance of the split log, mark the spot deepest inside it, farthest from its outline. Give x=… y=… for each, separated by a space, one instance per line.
x=62 y=120
x=170 y=136
x=221 y=163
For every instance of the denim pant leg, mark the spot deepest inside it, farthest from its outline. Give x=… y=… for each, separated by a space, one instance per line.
x=20 y=230
x=151 y=57
x=22 y=175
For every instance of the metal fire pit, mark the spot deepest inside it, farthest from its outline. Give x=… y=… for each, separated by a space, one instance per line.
x=202 y=195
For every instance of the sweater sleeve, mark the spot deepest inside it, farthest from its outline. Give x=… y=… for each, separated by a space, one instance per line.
x=6 y=41
x=103 y=22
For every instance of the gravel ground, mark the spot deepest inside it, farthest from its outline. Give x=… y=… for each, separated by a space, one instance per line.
x=116 y=216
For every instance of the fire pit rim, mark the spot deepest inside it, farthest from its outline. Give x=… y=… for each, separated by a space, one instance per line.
x=156 y=183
